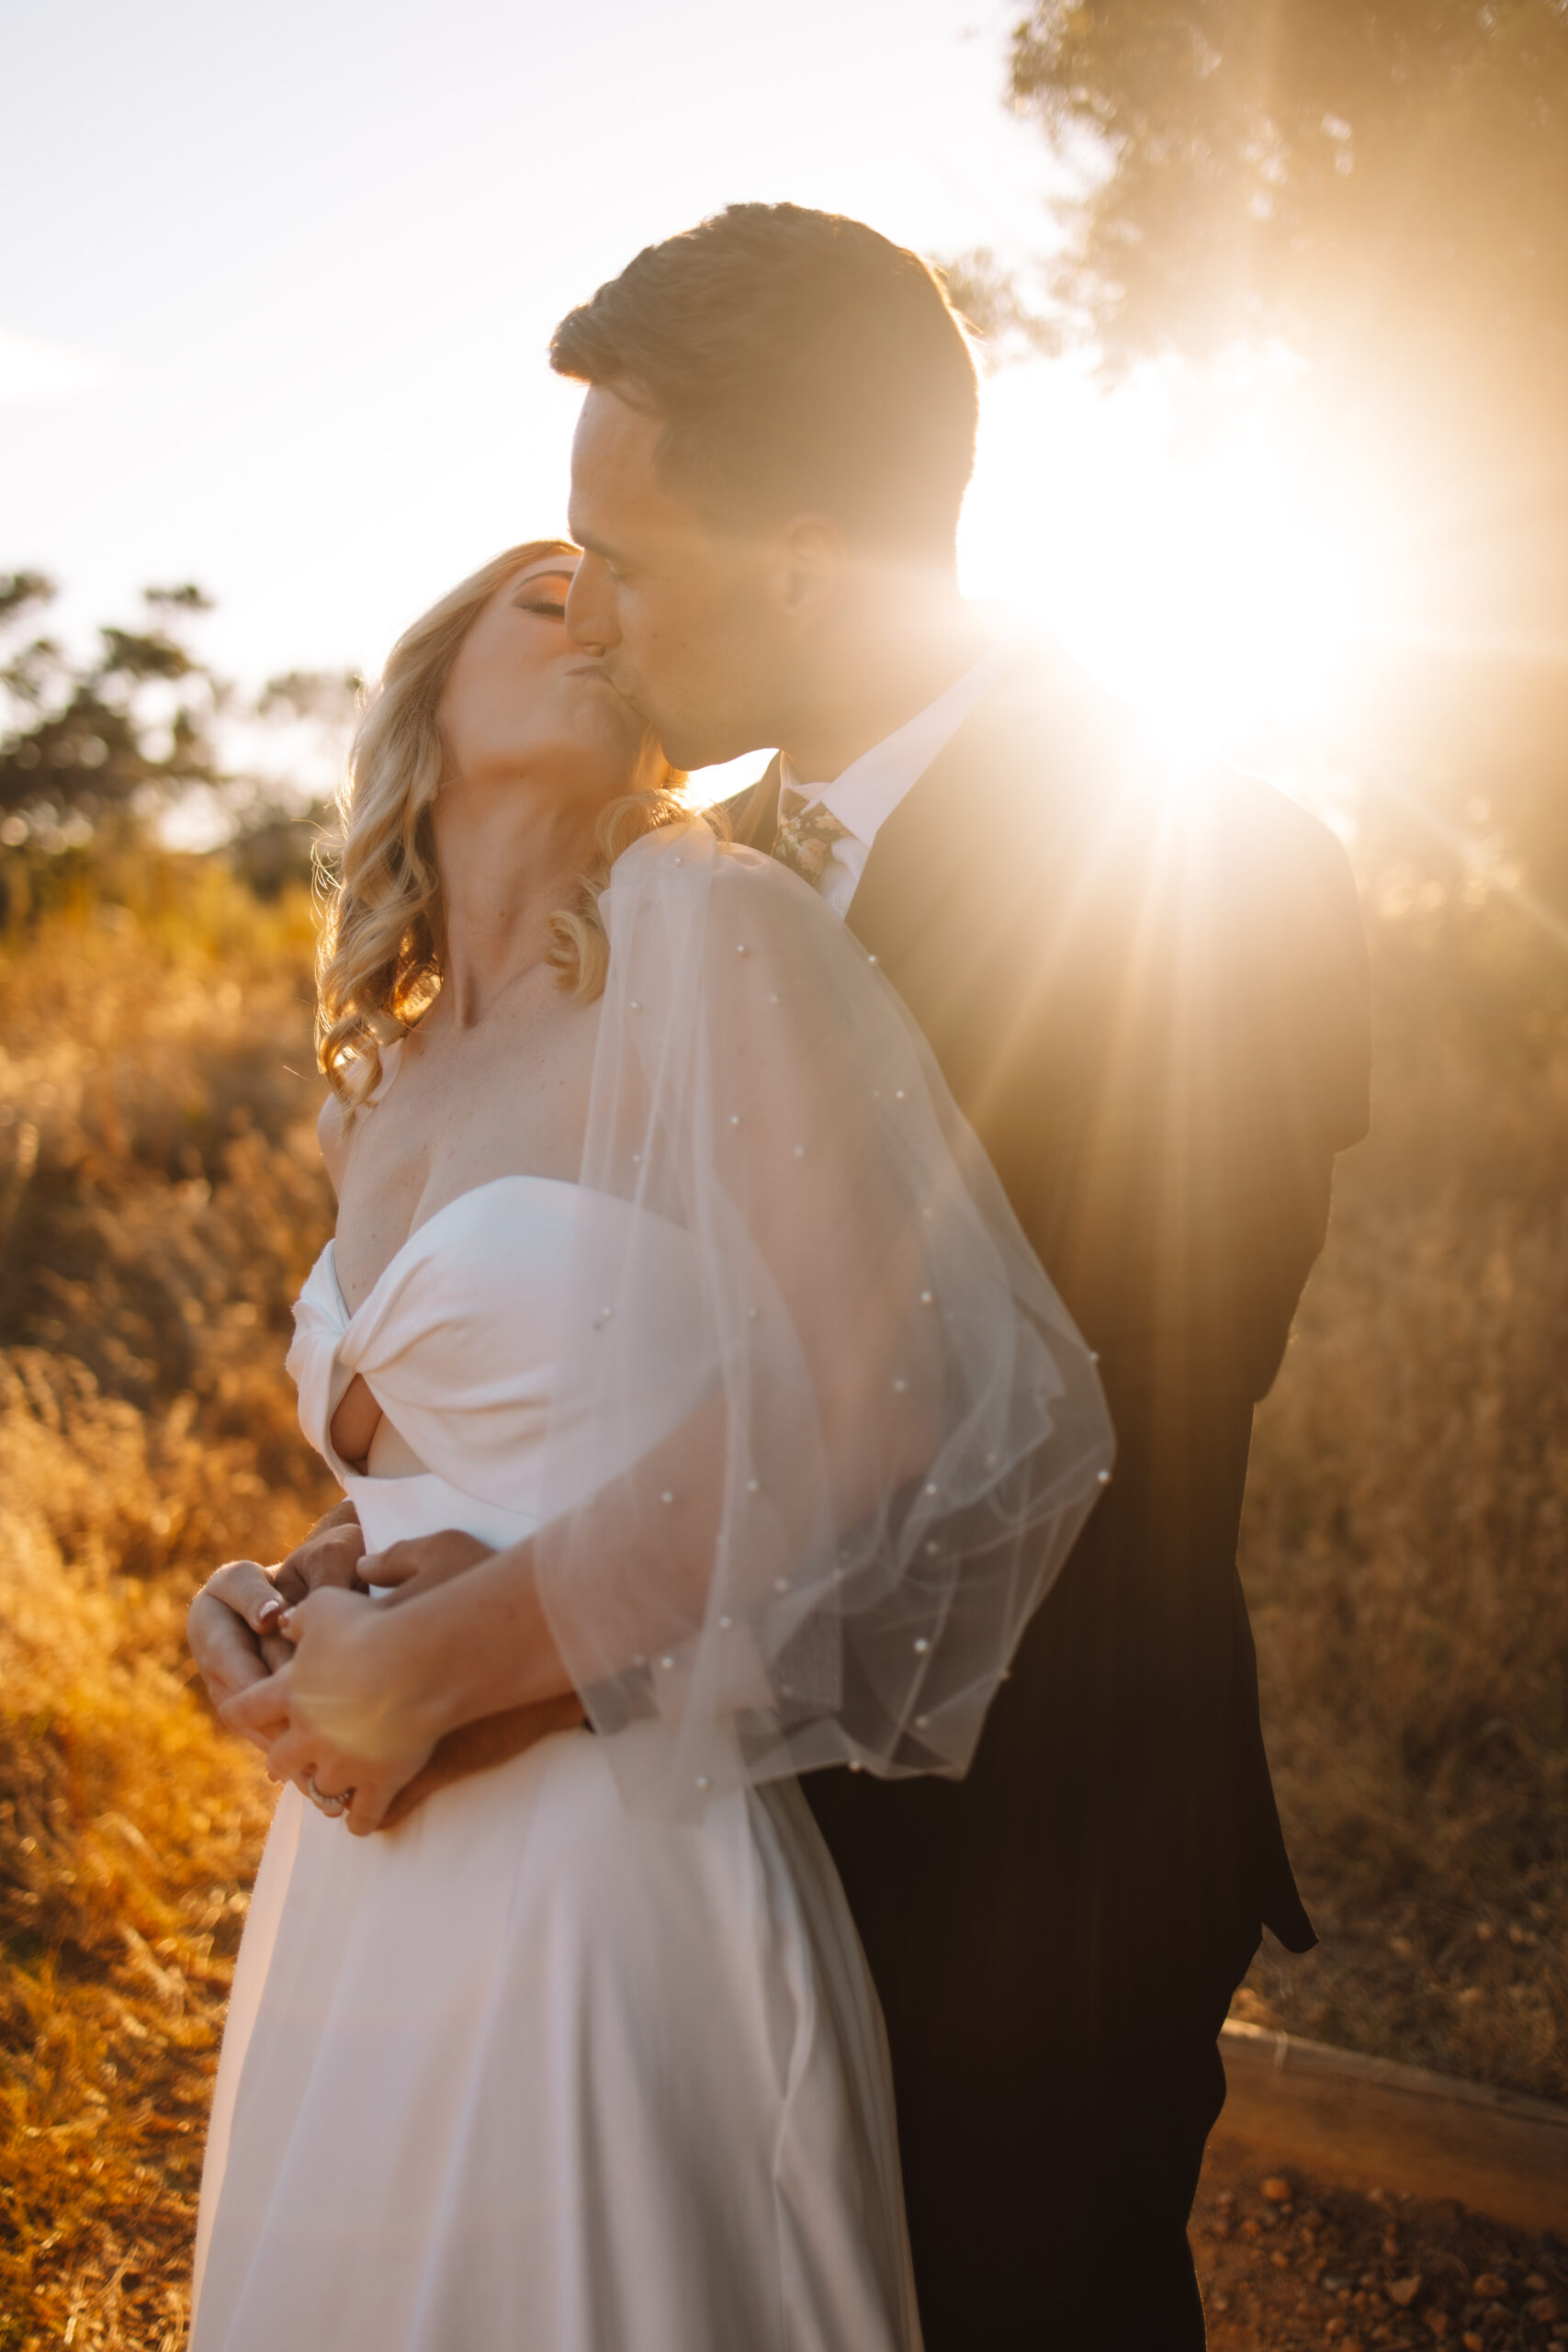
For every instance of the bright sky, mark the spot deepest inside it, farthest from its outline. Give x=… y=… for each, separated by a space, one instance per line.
x=279 y=317
x=275 y=316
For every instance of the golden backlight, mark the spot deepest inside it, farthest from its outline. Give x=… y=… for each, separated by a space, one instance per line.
x=1205 y=560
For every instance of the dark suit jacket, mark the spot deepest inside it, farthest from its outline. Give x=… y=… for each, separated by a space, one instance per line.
x=1152 y=1006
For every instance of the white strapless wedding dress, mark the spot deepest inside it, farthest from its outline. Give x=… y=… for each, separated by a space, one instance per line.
x=531 y=2071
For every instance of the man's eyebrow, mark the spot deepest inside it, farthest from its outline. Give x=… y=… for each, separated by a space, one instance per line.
x=592 y=545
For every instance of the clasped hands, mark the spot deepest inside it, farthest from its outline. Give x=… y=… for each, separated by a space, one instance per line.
x=326 y=1681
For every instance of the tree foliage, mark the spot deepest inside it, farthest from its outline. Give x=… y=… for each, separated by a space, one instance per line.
x=1382 y=186
x=986 y=294
x=120 y=732
x=102 y=746
x=1336 y=171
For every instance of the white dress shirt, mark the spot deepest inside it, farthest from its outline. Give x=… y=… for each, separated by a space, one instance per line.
x=870 y=788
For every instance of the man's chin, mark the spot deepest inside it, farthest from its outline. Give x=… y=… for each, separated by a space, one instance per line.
x=689 y=752
x=682 y=750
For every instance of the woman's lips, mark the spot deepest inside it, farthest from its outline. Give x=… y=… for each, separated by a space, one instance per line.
x=597 y=672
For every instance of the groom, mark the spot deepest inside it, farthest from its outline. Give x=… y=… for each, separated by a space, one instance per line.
x=1153 y=1009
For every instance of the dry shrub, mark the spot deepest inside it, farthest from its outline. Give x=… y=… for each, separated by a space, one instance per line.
x=127 y=1832
x=159 y=1203
x=1404 y=1552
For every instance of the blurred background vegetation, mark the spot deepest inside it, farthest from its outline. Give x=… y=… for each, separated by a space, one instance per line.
x=1383 y=191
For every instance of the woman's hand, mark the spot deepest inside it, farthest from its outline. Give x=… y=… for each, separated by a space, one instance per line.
x=417 y=1565
x=233 y=1622
x=348 y=1716
x=375 y=1685
x=233 y=1630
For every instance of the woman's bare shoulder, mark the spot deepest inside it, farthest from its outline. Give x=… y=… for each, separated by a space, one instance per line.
x=334 y=1134
x=338 y=1122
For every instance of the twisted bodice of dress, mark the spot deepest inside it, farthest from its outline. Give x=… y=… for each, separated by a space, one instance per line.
x=458 y=1340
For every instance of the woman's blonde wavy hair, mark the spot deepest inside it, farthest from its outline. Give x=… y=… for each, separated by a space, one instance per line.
x=379 y=957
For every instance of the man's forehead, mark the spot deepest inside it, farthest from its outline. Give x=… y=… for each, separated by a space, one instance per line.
x=612 y=435
x=618 y=506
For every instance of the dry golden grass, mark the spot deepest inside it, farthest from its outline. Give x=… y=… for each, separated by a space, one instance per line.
x=1405 y=1549
x=159 y=1204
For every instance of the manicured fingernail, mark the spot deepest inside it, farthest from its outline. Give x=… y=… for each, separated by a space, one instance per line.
x=268 y=1611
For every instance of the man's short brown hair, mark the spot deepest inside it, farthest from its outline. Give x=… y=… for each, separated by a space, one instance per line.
x=799 y=363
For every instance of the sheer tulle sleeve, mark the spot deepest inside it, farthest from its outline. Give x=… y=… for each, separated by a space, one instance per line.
x=899 y=1433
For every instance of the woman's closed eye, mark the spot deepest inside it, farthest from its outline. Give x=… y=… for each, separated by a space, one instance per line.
x=545 y=593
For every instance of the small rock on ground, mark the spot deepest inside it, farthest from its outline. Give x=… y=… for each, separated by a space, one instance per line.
x=1289 y=2263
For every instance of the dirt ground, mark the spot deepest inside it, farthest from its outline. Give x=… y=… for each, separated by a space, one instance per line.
x=1287 y=2261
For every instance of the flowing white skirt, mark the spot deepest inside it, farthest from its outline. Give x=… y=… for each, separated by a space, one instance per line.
x=533 y=2072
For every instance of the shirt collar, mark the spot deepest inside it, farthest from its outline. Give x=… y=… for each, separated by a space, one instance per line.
x=863 y=797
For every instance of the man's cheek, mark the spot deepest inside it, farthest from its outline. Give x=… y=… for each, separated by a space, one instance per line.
x=647 y=641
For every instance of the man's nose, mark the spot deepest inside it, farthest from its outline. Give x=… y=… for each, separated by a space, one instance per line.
x=590 y=609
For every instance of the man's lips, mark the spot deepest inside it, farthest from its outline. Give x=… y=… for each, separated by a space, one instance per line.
x=597 y=671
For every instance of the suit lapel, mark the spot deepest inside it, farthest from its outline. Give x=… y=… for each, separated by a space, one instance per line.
x=938 y=831
x=904 y=884
x=941 y=834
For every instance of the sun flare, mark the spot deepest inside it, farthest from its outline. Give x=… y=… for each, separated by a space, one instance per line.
x=1225 y=577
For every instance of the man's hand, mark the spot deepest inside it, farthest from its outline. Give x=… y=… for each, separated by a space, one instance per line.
x=480 y=1747
x=333 y=1717
x=330 y=1554
x=403 y=1572
x=417 y=1565
x=421 y=1562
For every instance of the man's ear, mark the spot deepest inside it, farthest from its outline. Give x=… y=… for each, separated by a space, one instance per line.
x=813 y=560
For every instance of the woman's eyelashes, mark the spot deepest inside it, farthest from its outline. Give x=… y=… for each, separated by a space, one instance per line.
x=550 y=607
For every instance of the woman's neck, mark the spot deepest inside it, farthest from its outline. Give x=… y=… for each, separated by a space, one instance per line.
x=508 y=862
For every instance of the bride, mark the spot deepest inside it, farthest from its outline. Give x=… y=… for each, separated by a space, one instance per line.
x=666 y=1278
